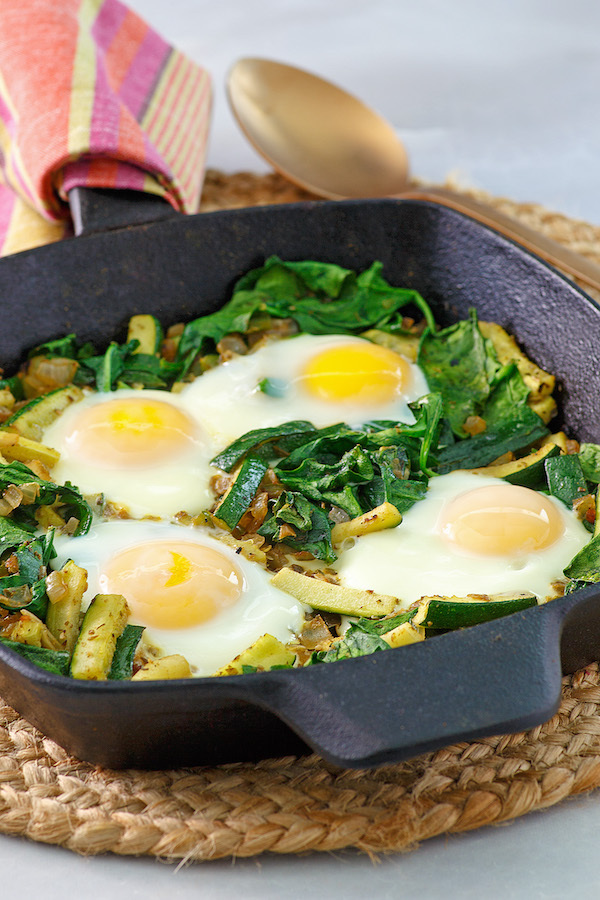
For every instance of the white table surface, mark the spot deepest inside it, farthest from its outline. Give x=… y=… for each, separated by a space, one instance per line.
x=502 y=94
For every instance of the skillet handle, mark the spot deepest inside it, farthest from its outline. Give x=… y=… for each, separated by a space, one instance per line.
x=102 y=209
x=496 y=678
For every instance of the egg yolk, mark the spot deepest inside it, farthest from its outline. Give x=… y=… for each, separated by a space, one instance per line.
x=501 y=520
x=369 y=375
x=173 y=584
x=131 y=432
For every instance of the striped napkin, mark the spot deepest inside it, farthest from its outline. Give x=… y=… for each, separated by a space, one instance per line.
x=91 y=96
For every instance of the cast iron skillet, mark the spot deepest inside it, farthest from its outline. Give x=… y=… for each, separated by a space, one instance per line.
x=499 y=677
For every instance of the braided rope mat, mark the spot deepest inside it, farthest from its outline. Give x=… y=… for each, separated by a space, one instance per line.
x=295 y=805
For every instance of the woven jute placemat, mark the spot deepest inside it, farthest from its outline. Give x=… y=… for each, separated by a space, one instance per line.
x=294 y=805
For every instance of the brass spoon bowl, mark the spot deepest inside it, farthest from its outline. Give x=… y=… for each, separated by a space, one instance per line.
x=333 y=145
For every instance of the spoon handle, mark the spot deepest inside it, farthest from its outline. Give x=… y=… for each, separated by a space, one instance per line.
x=549 y=250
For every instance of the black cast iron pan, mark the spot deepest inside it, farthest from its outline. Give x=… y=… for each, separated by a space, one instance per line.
x=498 y=677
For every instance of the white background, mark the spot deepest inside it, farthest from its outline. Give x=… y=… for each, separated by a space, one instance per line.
x=502 y=94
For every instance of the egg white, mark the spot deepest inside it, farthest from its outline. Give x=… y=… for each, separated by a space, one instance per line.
x=180 y=482
x=261 y=608
x=414 y=560
x=229 y=402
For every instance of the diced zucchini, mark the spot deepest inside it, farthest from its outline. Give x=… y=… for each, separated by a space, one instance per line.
x=35 y=416
x=333 y=597
x=15 y=446
x=539 y=382
x=166 y=668
x=240 y=493
x=545 y=407
x=384 y=516
x=102 y=624
x=7 y=399
x=32 y=631
x=148 y=331
x=448 y=613
x=404 y=634
x=47 y=517
x=63 y=616
x=527 y=471
x=27 y=631
x=264 y=653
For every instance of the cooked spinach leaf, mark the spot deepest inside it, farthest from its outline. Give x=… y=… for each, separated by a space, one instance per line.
x=515 y=434
x=119 y=365
x=589 y=457
x=321 y=298
x=18 y=473
x=382 y=626
x=565 y=478
x=257 y=439
x=356 y=642
x=585 y=565
x=461 y=365
x=311 y=528
x=55 y=661
x=339 y=467
x=122 y=661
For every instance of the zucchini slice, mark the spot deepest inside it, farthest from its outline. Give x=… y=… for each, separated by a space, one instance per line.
x=528 y=471
x=63 y=616
x=404 y=634
x=240 y=493
x=449 y=613
x=35 y=416
x=264 y=653
x=381 y=517
x=148 y=331
x=102 y=624
x=167 y=668
x=333 y=597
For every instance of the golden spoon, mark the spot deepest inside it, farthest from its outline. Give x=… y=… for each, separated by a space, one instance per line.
x=328 y=142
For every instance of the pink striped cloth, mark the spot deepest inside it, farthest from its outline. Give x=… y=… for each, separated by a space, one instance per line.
x=91 y=96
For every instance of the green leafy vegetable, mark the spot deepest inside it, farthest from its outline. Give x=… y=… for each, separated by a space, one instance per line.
x=118 y=366
x=272 y=387
x=461 y=365
x=383 y=626
x=510 y=435
x=255 y=440
x=565 y=479
x=55 y=661
x=18 y=473
x=585 y=565
x=321 y=298
x=122 y=661
x=356 y=642
x=311 y=526
x=589 y=457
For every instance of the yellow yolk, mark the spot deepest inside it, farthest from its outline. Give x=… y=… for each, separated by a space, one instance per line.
x=173 y=584
x=131 y=432
x=370 y=374
x=501 y=520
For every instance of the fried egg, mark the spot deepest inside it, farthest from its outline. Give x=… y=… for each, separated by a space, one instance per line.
x=140 y=449
x=324 y=379
x=193 y=594
x=150 y=451
x=471 y=534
